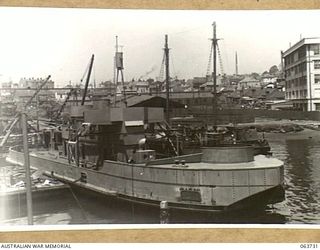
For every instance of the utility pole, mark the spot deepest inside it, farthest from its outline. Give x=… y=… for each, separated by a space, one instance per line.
x=27 y=167
x=23 y=119
x=166 y=53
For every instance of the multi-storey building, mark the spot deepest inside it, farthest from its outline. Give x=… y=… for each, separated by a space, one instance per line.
x=302 y=74
x=249 y=82
x=34 y=83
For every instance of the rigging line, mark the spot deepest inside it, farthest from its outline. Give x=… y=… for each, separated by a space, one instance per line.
x=161 y=73
x=209 y=60
x=173 y=68
x=220 y=60
x=224 y=43
x=79 y=204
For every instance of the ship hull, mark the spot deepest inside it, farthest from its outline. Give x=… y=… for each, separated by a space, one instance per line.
x=197 y=188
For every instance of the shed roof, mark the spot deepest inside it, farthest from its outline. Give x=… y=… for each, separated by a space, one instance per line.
x=249 y=79
x=151 y=101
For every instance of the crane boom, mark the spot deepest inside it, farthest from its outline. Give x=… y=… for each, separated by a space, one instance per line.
x=37 y=91
x=65 y=102
x=9 y=127
x=87 y=81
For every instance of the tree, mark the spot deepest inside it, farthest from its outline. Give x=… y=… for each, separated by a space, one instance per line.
x=274 y=69
x=255 y=75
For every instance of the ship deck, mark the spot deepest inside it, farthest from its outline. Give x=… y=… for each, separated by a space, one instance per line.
x=260 y=162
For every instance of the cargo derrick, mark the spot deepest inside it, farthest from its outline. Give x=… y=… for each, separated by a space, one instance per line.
x=73 y=91
x=69 y=94
x=87 y=80
x=9 y=128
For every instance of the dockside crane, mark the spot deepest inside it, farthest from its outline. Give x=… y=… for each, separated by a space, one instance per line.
x=8 y=129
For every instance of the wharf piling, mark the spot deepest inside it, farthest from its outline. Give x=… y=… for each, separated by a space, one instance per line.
x=164 y=212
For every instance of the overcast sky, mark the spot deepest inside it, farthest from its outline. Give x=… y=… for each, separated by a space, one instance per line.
x=36 y=42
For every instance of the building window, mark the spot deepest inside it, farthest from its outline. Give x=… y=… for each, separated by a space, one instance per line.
x=305 y=80
x=315 y=49
x=303 y=68
x=317 y=106
x=295 y=56
x=302 y=52
x=317 y=64
x=317 y=79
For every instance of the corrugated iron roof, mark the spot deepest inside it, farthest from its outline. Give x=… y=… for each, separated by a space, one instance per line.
x=150 y=101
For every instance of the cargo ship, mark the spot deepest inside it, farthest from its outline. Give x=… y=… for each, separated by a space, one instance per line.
x=105 y=150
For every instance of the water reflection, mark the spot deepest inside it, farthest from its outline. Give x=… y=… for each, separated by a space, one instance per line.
x=301 y=155
x=299 y=151
x=108 y=210
x=77 y=206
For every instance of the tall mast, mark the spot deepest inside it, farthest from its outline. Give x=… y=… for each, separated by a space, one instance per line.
x=166 y=53
x=237 y=72
x=214 y=73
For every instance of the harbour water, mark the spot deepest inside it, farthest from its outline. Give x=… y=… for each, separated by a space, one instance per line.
x=300 y=152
